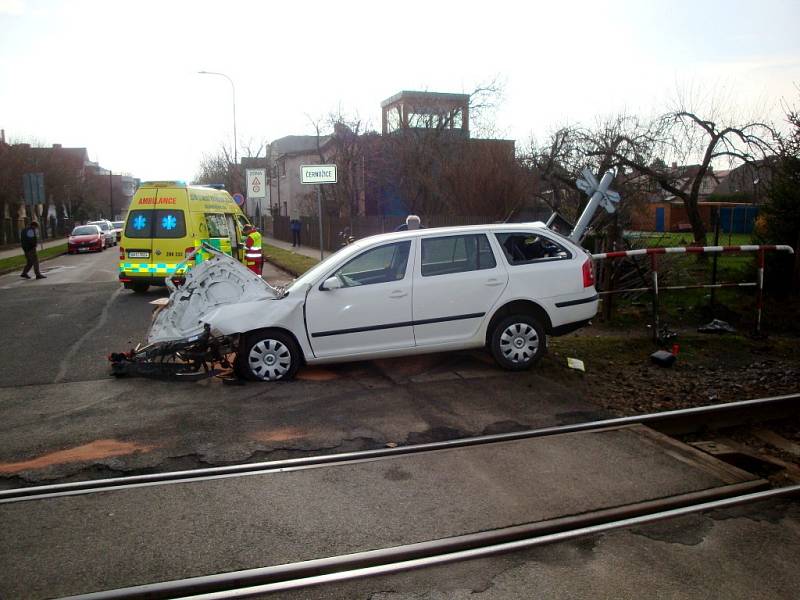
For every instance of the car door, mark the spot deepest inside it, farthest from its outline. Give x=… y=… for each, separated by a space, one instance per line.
x=371 y=311
x=456 y=282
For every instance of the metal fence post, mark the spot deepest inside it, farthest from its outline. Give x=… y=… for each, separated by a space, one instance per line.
x=654 y=267
x=760 y=298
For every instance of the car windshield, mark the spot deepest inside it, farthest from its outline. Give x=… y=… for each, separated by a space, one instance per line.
x=101 y=224
x=85 y=230
x=118 y=224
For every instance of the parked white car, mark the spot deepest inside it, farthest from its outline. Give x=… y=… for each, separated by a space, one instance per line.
x=108 y=231
x=505 y=287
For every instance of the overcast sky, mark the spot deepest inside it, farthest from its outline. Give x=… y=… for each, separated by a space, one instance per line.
x=120 y=77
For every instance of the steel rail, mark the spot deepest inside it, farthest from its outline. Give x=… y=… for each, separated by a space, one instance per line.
x=684 y=420
x=291 y=576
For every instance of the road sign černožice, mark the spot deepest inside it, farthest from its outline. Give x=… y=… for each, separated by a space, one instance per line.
x=318 y=175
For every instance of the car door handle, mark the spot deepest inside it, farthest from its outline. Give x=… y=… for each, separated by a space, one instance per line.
x=398 y=294
x=493 y=282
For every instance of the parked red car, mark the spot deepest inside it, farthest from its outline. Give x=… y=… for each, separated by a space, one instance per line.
x=86 y=238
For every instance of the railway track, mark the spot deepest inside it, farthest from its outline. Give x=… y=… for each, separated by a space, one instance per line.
x=263 y=581
x=674 y=422
x=255 y=583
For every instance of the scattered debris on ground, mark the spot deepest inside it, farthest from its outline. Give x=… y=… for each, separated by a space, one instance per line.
x=621 y=377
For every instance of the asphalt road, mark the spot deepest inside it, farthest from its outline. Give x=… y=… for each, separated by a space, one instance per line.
x=64 y=417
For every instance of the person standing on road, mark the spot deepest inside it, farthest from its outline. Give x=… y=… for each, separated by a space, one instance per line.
x=295 y=225
x=28 y=241
x=252 y=254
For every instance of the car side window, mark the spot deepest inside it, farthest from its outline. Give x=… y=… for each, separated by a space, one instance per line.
x=524 y=247
x=456 y=254
x=378 y=265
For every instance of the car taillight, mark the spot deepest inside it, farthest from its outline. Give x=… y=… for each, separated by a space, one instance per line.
x=588 y=273
x=121 y=253
x=188 y=251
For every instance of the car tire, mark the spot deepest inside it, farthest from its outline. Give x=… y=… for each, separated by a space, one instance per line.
x=267 y=355
x=140 y=288
x=518 y=342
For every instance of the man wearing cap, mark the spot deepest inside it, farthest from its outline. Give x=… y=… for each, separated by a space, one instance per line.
x=28 y=241
x=252 y=253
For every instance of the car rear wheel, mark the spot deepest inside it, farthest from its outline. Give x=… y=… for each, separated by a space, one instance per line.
x=268 y=355
x=518 y=342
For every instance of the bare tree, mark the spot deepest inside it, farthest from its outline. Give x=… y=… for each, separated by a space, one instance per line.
x=345 y=147
x=692 y=143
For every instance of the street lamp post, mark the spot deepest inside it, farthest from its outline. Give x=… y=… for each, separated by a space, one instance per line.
x=233 y=90
x=110 y=195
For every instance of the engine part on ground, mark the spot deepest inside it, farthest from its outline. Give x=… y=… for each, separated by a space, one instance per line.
x=663 y=358
x=716 y=326
x=191 y=359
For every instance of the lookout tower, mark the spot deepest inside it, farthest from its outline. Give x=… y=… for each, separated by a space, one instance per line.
x=426 y=110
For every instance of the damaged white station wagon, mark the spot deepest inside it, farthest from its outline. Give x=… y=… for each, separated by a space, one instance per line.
x=505 y=287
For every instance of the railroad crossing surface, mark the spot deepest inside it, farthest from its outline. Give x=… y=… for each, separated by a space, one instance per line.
x=141 y=535
x=63 y=419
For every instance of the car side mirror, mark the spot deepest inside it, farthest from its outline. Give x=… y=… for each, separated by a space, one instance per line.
x=332 y=283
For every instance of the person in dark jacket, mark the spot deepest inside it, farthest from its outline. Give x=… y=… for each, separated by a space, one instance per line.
x=295 y=225
x=28 y=241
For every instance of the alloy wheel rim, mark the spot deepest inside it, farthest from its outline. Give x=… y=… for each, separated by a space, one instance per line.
x=269 y=360
x=519 y=343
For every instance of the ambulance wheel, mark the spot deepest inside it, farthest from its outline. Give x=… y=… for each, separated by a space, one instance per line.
x=268 y=355
x=140 y=288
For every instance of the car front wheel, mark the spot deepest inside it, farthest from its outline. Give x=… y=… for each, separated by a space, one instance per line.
x=268 y=355
x=518 y=342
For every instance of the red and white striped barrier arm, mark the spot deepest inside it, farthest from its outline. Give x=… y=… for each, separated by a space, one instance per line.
x=690 y=250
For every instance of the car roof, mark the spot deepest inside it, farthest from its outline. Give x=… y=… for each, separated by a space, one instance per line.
x=535 y=226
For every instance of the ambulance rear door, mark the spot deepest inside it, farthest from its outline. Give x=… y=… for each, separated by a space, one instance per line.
x=138 y=236
x=171 y=241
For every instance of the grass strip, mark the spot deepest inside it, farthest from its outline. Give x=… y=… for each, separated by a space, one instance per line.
x=292 y=262
x=14 y=263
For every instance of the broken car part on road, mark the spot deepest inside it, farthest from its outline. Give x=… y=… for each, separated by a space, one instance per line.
x=180 y=344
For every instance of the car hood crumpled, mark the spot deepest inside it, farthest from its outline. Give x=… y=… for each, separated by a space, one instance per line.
x=218 y=281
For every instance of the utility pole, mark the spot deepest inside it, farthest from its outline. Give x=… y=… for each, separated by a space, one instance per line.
x=110 y=195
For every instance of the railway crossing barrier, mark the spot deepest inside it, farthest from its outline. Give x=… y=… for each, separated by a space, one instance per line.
x=653 y=254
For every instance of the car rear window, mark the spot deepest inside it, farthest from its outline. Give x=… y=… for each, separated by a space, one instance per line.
x=158 y=224
x=85 y=230
x=525 y=247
